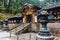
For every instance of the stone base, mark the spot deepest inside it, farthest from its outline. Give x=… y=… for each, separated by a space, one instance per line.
x=44 y=37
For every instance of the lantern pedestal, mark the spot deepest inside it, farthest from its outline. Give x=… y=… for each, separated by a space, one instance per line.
x=44 y=37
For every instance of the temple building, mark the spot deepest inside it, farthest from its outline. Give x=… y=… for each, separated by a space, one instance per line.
x=55 y=9
x=29 y=13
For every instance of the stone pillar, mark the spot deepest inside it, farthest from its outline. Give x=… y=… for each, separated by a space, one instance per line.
x=24 y=18
x=33 y=27
x=36 y=19
x=32 y=18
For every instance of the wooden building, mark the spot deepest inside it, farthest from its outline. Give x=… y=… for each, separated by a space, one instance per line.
x=55 y=9
x=29 y=15
x=28 y=11
x=14 y=19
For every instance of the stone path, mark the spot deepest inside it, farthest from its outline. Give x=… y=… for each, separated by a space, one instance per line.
x=57 y=38
x=27 y=36
x=4 y=35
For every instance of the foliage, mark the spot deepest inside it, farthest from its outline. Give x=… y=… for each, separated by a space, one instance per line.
x=2 y=16
x=11 y=6
x=14 y=6
x=5 y=15
x=18 y=14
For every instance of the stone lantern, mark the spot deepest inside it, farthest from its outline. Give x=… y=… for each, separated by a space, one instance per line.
x=5 y=24
x=44 y=33
x=1 y=24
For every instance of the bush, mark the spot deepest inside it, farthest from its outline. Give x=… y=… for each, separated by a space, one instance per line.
x=2 y=16
x=18 y=14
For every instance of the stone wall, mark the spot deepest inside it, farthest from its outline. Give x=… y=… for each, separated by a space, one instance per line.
x=54 y=28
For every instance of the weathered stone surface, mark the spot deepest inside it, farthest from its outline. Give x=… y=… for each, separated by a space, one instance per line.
x=54 y=28
x=29 y=36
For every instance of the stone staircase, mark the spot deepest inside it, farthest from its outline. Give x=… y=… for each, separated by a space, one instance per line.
x=20 y=29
